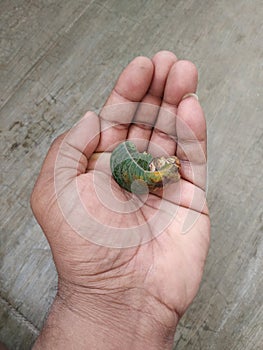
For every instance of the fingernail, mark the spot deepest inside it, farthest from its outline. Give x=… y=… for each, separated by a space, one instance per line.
x=190 y=94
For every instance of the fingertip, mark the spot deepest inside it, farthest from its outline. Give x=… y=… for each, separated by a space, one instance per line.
x=90 y=117
x=87 y=115
x=164 y=54
x=135 y=79
x=190 y=67
x=182 y=79
x=142 y=61
x=89 y=132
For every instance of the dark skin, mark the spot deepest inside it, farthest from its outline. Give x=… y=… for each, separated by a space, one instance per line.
x=134 y=290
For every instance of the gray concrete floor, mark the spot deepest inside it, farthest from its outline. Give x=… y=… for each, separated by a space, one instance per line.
x=61 y=58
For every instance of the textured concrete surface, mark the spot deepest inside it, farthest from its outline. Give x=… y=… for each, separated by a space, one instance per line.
x=61 y=58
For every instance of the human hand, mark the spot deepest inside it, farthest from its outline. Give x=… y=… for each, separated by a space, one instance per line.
x=136 y=262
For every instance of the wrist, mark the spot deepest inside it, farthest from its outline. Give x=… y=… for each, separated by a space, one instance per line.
x=96 y=320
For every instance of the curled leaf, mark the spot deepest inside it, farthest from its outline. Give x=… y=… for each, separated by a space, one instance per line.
x=140 y=172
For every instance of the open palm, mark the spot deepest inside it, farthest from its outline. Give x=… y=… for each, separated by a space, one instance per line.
x=149 y=251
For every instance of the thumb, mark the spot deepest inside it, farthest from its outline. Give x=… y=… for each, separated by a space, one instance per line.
x=67 y=157
x=77 y=147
